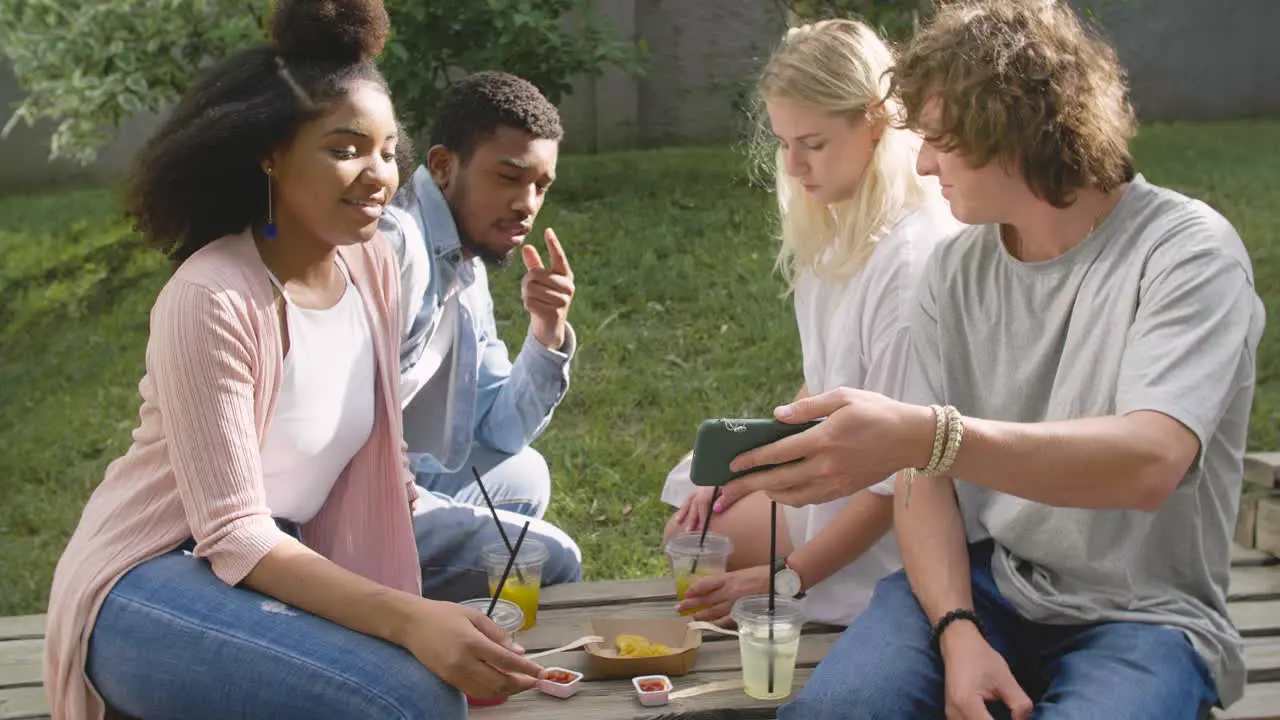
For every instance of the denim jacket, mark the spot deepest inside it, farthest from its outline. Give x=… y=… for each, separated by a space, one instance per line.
x=478 y=394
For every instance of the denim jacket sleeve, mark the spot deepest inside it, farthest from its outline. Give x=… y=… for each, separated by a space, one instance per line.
x=515 y=401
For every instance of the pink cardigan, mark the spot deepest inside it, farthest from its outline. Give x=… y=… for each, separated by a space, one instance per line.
x=213 y=366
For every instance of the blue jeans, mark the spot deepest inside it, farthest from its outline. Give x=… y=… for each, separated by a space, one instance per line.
x=882 y=666
x=454 y=529
x=174 y=641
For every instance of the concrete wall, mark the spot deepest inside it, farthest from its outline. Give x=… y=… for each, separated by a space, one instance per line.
x=1187 y=59
x=1196 y=59
x=700 y=53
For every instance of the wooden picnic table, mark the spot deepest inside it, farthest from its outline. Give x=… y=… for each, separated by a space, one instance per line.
x=714 y=688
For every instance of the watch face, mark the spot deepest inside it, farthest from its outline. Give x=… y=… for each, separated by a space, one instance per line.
x=786 y=582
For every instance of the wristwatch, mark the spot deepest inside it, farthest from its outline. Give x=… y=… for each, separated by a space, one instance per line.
x=786 y=582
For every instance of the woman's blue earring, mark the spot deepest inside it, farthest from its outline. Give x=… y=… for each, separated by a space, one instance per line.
x=269 y=231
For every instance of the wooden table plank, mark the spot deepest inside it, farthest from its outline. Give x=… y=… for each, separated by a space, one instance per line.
x=1260 y=702
x=1254 y=583
x=1262 y=658
x=1271 y=459
x=27 y=703
x=605 y=592
x=21 y=627
x=1247 y=557
x=1256 y=617
x=20 y=663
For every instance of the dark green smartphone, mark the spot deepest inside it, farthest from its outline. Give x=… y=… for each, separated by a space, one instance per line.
x=719 y=441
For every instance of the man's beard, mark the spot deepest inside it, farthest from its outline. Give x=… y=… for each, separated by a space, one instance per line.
x=491 y=258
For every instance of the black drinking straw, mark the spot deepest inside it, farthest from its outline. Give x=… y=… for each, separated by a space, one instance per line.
x=519 y=541
x=501 y=530
x=706 y=524
x=773 y=553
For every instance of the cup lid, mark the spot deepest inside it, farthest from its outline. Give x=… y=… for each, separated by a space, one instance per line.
x=692 y=543
x=754 y=610
x=531 y=551
x=506 y=614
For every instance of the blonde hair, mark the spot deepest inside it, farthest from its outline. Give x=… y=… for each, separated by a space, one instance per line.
x=838 y=67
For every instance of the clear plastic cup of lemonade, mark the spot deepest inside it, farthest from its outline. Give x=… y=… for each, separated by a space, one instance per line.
x=525 y=580
x=509 y=617
x=692 y=558
x=760 y=647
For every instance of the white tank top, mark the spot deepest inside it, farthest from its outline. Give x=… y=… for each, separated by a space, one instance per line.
x=324 y=413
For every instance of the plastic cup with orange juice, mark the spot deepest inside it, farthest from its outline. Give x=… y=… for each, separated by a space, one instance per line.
x=694 y=557
x=525 y=580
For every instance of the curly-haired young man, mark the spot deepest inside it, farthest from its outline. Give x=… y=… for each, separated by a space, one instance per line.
x=494 y=145
x=1084 y=366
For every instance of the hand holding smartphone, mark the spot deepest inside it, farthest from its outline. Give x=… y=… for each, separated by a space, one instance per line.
x=719 y=441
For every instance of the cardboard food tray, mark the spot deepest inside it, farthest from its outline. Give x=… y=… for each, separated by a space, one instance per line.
x=602 y=657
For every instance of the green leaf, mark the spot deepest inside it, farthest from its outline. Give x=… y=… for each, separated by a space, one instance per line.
x=86 y=66
x=130 y=103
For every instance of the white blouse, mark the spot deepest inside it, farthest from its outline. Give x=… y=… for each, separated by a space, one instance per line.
x=856 y=334
x=324 y=413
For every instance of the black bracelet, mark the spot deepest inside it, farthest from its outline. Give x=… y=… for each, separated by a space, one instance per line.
x=935 y=637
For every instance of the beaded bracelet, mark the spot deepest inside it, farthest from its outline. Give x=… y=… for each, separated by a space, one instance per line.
x=935 y=634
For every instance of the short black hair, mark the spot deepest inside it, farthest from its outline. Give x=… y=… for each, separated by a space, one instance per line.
x=199 y=176
x=475 y=107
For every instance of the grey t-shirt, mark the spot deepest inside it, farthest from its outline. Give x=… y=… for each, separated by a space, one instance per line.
x=1155 y=310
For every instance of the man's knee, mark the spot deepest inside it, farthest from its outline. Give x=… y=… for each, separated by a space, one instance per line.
x=537 y=474
x=523 y=479
x=520 y=483
x=564 y=565
x=1130 y=670
x=564 y=558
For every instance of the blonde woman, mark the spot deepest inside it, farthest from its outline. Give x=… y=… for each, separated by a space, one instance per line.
x=857 y=223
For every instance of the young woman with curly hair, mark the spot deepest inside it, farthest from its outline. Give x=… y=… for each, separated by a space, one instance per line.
x=252 y=554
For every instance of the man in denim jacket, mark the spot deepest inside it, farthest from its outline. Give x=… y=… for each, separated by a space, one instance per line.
x=494 y=146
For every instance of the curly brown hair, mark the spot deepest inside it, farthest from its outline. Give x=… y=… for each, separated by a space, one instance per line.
x=1026 y=83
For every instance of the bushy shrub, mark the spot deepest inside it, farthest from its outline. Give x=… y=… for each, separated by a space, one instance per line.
x=89 y=66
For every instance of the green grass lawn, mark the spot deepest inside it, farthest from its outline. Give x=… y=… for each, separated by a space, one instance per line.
x=679 y=317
